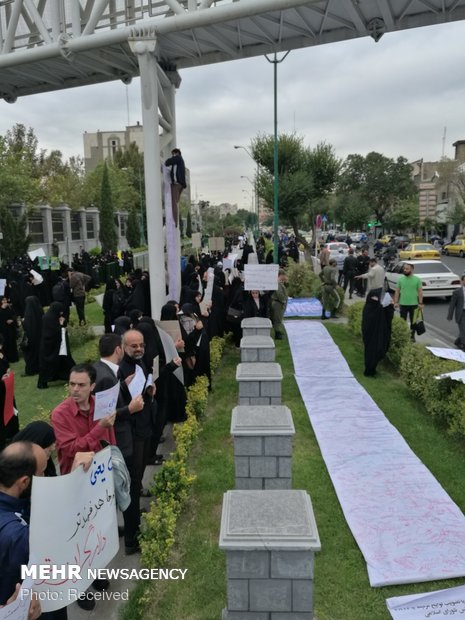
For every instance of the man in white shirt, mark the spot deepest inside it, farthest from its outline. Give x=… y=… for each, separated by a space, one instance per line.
x=375 y=275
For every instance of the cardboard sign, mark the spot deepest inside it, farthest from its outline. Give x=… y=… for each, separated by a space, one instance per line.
x=261 y=277
x=196 y=240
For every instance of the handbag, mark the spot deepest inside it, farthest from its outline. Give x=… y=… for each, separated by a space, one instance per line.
x=234 y=315
x=418 y=322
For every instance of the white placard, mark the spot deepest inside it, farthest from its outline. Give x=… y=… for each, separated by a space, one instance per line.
x=35 y=253
x=137 y=384
x=216 y=244
x=448 y=354
x=156 y=367
x=172 y=328
x=261 y=277
x=18 y=609
x=229 y=261
x=439 y=604
x=196 y=240
x=2 y=286
x=73 y=521
x=105 y=402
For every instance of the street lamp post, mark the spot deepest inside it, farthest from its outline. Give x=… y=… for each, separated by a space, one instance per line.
x=275 y=62
x=257 y=204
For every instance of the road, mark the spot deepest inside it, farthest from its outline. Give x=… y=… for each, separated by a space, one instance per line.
x=436 y=308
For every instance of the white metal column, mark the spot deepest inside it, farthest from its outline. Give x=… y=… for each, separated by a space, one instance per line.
x=144 y=48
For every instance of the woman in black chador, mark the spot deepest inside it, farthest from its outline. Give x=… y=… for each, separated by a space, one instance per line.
x=55 y=359
x=32 y=325
x=8 y=329
x=376 y=329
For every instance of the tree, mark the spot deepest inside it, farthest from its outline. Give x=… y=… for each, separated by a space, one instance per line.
x=352 y=210
x=108 y=233
x=15 y=241
x=133 y=229
x=404 y=218
x=382 y=183
x=305 y=175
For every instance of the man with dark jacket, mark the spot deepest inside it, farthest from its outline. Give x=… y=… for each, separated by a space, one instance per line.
x=178 y=179
x=79 y=284
x=107 y=369
x=456 y=306
x=350 y=270
x=143 y=423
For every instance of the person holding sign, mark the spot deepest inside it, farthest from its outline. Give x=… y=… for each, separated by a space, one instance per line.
x=73 y=420
x=131 y=368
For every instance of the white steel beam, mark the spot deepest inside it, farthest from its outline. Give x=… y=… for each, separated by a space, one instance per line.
x=12 y=25
x=144 y=48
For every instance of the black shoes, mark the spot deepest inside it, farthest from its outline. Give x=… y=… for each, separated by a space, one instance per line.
x=131 y=549
x=101 y=584
x=86 y=601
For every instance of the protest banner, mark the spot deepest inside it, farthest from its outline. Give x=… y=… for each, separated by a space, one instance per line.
x=73 y=523
x=261 y=277
x=19 y=608
x=437 y=604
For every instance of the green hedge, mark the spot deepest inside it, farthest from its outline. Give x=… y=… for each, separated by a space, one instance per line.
x=172 y=483
x=444 y=399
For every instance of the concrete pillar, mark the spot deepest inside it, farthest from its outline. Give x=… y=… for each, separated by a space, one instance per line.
x=259 y=383
x=144 y=48
x=262 y=437
x=256 y=326
x=257 y=349
x=270 y=539
x=83 y=227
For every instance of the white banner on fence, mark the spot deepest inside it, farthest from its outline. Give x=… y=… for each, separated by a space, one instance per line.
x=448 y=354
x=438 y=604
x=73 y=521
x=261 y=277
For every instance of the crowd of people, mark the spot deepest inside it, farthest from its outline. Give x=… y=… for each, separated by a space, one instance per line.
x=133 y=343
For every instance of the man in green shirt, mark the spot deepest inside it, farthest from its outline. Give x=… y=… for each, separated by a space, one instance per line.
x=409 y=295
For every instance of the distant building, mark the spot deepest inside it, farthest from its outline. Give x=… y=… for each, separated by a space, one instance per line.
x=102 y=145
x=225 y=208
x=437 y=199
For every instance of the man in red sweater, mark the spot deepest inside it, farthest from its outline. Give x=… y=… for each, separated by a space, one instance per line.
x=73 y=420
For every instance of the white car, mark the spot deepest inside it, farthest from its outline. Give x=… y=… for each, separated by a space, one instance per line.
x=337 y=247
x=436 y=277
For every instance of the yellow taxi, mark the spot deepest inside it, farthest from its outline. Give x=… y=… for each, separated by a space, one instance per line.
x=457 y=247
x=386 y=239
x=419 y=250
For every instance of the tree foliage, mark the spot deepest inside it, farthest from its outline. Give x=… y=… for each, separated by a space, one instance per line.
x=381 y=183
x=305 y=175
x=404 y=218
x=133 y=230
x=108 y=233
x=15 y=241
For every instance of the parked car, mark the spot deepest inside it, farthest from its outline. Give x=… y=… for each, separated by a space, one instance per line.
x=456 y=248
x=419 y=250
x=436 y=277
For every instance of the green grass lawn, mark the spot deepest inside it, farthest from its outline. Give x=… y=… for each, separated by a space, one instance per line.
x=342 y=591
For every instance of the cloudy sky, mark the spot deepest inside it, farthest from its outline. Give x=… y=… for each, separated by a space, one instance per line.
x=396 y=97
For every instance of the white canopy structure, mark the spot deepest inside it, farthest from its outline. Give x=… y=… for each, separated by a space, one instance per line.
x=48 y=45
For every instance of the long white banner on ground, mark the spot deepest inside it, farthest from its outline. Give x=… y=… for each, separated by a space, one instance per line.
x=407 y=527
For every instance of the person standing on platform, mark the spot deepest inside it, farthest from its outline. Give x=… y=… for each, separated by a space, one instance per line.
x=178 y=180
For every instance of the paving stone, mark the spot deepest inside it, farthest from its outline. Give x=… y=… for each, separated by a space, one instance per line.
x=238 y=594
x=270 y=594
x=292 y=564
x=248 y=564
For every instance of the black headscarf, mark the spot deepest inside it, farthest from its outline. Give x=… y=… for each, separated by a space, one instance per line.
x=42 y=434
x=376 y=329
